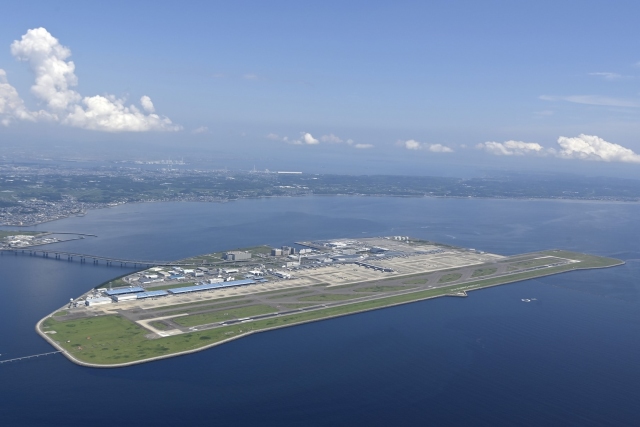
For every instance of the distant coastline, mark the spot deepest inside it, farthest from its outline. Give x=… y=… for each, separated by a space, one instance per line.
x=43 y=196
x=523 y=199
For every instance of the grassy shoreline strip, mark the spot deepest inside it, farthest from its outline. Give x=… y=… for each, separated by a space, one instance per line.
x=207 y=307
x=182 y=306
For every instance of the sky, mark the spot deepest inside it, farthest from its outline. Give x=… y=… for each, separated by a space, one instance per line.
x=424 y=87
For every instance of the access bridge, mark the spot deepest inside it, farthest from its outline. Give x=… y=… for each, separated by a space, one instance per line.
x=96 y=259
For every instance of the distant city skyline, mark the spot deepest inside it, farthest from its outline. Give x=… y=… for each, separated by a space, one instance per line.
x=415 y=87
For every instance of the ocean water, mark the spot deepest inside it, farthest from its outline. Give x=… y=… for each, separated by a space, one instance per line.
x=568 y=358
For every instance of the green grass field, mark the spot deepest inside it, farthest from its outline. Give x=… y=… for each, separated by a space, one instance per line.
x=536 y=262
x=385 y=288
x=217 y=256
x=221 y=316
x=484 y=271
x=292 y=305
x=115 y=340
x=193 y=304
x=450 y=277
x=328 y=297
x=415 y=281
x=207 y=307
x=116 y=283
x=288 y=295
x=587 y=261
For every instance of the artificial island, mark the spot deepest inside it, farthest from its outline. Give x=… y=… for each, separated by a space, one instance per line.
x=200 y=302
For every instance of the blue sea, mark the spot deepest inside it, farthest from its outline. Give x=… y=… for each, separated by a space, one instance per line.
x=569 y=358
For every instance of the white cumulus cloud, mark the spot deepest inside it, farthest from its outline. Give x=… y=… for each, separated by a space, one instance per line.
x=110 y=114
x=581 y=147
x=146 y=103
x=591 y=147
x=275 y=137
x=412 y=144
x=201 y=129
x=54 y=81
x=309 y=139
x=11 y=105
x=608 y=75
x=54 y=75
x=439 y=148
x=330 y=138
x=511 y=148
x=605 y=101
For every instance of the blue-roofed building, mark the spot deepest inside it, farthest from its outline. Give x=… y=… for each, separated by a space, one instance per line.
x=121 y=291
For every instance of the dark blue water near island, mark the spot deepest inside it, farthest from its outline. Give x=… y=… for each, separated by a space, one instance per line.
x=570 y=358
